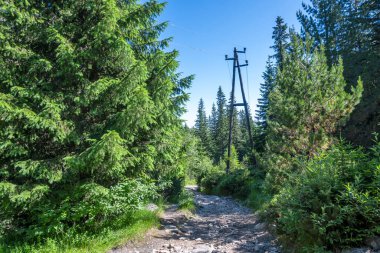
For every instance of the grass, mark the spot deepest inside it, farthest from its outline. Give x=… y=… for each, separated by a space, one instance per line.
x=102 y=242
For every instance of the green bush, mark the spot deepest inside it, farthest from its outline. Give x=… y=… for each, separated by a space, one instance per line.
x=333 y=203
x=186 y=200
x=211 y=179
x=89 y=208
x=236 y=184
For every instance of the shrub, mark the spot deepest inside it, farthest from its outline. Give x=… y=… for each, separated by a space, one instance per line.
x=90 y=207
x=186 y=200
x=211 y=179
x=236 y=183
x=333 y=203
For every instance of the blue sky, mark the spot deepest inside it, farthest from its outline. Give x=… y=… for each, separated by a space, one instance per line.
x=204 y=31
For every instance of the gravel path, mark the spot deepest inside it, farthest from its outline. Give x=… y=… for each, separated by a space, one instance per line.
x=219 y=224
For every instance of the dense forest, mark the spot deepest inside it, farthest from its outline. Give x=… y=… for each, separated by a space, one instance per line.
x=91 y=131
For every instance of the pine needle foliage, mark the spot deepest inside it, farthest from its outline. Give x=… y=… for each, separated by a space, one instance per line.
x=307 y=106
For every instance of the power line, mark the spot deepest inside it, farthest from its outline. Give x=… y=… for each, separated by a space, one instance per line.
x=237 y=65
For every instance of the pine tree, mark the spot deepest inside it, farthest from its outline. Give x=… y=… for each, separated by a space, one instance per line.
x=350 y=29
x=201 y=127
x=307 y=106
x=88 y=100
x=280 y=37
x=263 y=104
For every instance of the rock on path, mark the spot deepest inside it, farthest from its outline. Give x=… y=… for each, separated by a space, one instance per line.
x=219 y=225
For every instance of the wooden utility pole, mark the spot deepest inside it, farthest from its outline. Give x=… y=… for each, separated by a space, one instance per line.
x=236 y=65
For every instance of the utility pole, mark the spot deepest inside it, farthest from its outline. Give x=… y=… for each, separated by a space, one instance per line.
x=236 y=65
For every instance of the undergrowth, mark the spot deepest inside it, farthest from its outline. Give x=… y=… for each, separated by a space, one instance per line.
x=116 y=234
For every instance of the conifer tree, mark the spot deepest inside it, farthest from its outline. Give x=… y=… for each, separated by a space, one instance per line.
x=221 y=134
x=88 y=100
x=323 y=24
x=212 y=121
x=236 y=129
x=201 y=126
x=308 y=104
x=280 y=36
x=243 y=147
x=212 y=126
x=263 y=104
x=350 y=29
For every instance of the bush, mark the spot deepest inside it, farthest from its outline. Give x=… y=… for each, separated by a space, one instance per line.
x=186 y=200
x=236 y=184
x=86 y=207
x=333 y=203
x=211 y=179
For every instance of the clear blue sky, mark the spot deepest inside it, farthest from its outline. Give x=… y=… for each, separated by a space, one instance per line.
x=204 y=31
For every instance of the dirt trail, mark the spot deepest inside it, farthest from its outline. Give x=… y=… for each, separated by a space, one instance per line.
x=219 y=224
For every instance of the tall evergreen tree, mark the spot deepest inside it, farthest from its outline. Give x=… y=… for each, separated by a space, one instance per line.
x=236 y=128
x=88 y=100
x=280 y=36
x=201 y=126
x=263 y=103
x=212 y=126
x=221 y=134
x=322 y=22
x=351 y=29
x=243 y=146
x=307 y=106
x=212 y=121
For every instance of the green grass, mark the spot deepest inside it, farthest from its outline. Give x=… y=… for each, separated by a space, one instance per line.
x=102 y=242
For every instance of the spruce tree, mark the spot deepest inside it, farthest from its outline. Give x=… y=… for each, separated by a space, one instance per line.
x=212 y=126
x=263 y=104
x=212 y=121
x=201 y=126
x=308 y=105
x=322 y=22
x=221 y=134
x=243 y=147
x=280 y=36
x=89 y=100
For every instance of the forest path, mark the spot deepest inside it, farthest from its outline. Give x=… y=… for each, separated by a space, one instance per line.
x=219 y=224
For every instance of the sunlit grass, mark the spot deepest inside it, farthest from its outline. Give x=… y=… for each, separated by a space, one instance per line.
x=101 y=242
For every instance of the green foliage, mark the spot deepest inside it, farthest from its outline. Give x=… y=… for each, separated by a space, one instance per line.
x=211 y=179
x=89 y=115
x=333 y=202
x=349 y=29
x=236 y=184
x=122 y=230
x=221 y=130
x=307 y=106
x=186 y=200
x=263 y=104
x=201 y=128
x=280 y=37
